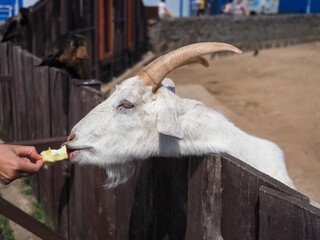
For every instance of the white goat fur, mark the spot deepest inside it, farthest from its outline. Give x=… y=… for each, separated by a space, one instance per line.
x=163 y=124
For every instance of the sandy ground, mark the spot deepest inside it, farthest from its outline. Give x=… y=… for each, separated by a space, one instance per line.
x=274 y=95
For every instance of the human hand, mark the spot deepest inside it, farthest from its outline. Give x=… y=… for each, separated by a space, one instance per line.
x=15 y=164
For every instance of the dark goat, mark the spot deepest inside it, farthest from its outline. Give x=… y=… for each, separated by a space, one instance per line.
x=70 y=53
x=16 y=25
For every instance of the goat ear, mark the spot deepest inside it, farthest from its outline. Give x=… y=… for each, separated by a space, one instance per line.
x=169 y=84
x=168 y=122
x=82 y=53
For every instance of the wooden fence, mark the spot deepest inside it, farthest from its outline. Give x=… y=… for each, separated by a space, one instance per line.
x=120 y=25
x=188 y=198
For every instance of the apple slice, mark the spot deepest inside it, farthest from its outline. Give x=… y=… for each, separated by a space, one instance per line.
x=54 y=155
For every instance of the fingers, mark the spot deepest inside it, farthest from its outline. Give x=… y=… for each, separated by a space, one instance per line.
x=25 y=166
x=28 y=151
x=15 y=162
x=29 y=167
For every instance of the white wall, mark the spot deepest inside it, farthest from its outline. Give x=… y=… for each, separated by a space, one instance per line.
x=173 y=6
x=28 y=3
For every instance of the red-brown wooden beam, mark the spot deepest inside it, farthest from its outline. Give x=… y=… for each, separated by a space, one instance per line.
x=26 y=221
x=43 y=144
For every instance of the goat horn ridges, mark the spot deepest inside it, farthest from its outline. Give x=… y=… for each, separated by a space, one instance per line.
x=156 y=71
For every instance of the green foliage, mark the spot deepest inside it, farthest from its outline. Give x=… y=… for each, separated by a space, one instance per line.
x=27 y=186
x=27 y=191
x=5 y=228
x=26 y=182
x=40 y=214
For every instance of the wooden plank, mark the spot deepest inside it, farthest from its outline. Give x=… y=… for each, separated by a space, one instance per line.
x=20 y=89
x=29 y=95
x=141 y=217
x=76 y=207
x=5 y=78
x=42 y=100
x=43 y=143
x=74 y=113
x=92 y=202
x=240 y=209
x=4 y=68
x=204 y=198
x=59 y=84
x=3 y=74
x=171 y=191
x=285 y=217
x=16 y=89
x=43 y=130
x=135 y=200
x=59 y=89
x=76 y=220
x=92 y=186
x=107 y=213
x=13 y=94
x=25 y=220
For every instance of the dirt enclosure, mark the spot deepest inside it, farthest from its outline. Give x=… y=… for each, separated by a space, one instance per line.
x=274 y=95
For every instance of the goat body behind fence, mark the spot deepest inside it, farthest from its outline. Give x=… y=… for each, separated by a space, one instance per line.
x=145 y=118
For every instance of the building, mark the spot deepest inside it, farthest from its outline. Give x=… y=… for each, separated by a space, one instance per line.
x=179 y=8
x=299 y=6
x=115 y=31
x=10 y=8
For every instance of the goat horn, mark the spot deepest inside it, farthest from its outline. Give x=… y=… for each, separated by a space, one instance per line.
x=155 y=72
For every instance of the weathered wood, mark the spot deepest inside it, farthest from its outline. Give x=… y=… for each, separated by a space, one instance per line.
x=5 y=78
x=18 y=108
x=6 y=114
x=89 y=98
x=141 y=212
x=42 y=100
x=4 y=68
x=93 y=201
x=25 y=220
x=77 y=110
x=29 y=95
x=133 y=204
x=42 y=144
x=13 y=93
x=59 y=90
x=240 y=208
x=286 y=217
x=204 y=198
x=76 y=207
x=43 y=130
x=171 y=191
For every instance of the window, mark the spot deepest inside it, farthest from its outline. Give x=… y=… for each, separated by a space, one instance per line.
x=105 y=28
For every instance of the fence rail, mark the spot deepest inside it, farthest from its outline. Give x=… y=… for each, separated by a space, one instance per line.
x=25 y=220
x=189 y=198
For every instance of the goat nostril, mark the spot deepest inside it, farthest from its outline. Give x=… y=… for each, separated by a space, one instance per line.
x=72 y=135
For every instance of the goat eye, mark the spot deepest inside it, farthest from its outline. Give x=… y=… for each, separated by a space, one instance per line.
x=126 y=104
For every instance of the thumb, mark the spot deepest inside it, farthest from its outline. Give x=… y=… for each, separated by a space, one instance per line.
x=30 y=167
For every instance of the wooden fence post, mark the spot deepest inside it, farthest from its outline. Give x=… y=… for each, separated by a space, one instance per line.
x=59 y=100
x=240 y=208
x=286 y=217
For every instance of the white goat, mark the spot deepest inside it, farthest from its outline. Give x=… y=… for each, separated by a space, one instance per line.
x=144 y=118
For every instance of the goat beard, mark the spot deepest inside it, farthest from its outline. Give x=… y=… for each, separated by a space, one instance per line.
x=119 y=173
